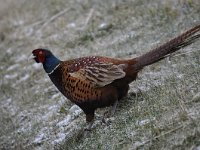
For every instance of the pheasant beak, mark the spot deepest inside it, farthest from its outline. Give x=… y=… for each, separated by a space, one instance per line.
x=31 y=57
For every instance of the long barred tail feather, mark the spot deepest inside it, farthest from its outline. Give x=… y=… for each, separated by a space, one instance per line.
x=171 y=46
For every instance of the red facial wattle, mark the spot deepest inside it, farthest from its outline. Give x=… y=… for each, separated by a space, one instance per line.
x=39 y=56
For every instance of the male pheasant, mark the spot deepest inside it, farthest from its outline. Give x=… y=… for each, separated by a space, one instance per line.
x=95 y=82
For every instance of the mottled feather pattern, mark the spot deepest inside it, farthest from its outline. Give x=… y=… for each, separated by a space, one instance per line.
x=75 y=88
x=100 y=74
x=82 y=77
x=98 y=71
x=76 y=64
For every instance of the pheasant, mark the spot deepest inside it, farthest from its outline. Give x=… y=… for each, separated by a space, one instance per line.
x=94 y=82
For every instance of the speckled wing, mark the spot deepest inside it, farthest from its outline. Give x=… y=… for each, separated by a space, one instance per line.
x=100 y=74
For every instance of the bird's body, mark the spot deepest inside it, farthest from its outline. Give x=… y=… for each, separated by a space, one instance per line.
x=95 y=82
x=94 y=92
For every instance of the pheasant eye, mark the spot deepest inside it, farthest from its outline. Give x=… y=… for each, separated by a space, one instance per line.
x=40 y=53
x=41 y=56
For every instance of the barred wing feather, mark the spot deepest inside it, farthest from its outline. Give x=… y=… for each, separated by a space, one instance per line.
x=100 y=74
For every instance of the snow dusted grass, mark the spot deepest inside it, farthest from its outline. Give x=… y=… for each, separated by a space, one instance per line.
x=162 y=108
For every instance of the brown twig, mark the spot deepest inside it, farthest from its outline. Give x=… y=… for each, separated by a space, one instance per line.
x=54 y=17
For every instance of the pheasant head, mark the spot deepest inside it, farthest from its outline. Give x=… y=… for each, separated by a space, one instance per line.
x=44 y=56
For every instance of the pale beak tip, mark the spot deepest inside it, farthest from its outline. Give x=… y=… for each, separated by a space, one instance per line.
x=31 y=57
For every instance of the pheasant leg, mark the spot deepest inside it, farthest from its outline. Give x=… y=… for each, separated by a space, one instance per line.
x=89 y=121
x=110 y=112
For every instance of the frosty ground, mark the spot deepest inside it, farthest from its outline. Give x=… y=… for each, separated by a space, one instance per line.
x=162 y=108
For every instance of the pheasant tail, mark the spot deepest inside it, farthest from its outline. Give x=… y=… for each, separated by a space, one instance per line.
x=171 y=46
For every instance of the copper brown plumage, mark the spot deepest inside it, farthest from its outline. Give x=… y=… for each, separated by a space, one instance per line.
x=94 y=82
